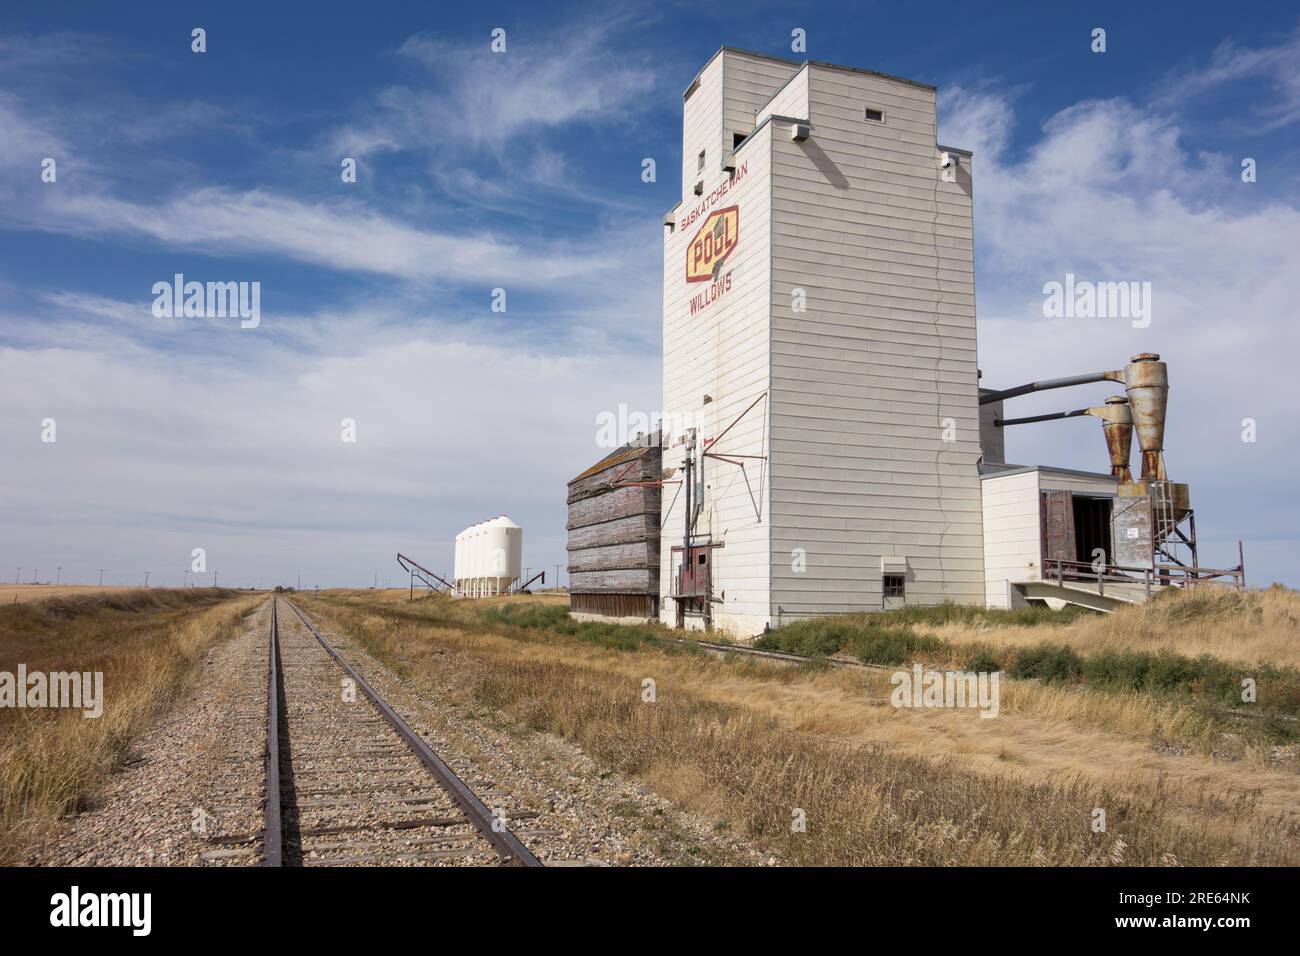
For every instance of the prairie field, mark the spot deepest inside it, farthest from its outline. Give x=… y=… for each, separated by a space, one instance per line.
x=1181 y=776
x=1119 y=740
x=148 y=644
x=20 y=593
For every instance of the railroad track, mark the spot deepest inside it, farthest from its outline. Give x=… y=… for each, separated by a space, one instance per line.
x=348 y=782
x=785 y=657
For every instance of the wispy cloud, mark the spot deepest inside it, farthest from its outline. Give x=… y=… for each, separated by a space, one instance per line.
x=341 y=235
x=472 y=98
x=1277 y=67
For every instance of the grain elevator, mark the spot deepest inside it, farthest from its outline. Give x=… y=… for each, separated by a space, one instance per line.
x=825 y=443
x=819 y=382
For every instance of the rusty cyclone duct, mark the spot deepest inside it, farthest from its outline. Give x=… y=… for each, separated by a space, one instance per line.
x=1146 y=382
x=1117 y=425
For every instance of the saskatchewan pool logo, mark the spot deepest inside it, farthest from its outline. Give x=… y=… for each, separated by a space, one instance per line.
x=712 y=244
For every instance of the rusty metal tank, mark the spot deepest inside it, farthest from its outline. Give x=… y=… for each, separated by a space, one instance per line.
x=1117 y=425
x=1146 y=383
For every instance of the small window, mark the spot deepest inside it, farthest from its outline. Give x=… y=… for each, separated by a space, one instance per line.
x=893 y=585
x=875 y=115
x=701 y=166
x=737 y=139
x=702 y=559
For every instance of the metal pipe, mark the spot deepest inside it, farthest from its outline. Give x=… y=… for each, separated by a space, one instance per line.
x=1050 y=383
x=1051 y=416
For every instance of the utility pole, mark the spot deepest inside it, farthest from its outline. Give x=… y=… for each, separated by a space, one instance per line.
x=214 y=579
x=35 y=572
x=376 y=587
x=146 y=579
x=59 y=579
x=19 y=576
x=299 y=588
x=101 y=577
x=557 y=577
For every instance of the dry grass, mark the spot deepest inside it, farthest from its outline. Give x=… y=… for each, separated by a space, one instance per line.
x=1246 y=628
x=146 y=643
x=21 y=593
x=749 y=742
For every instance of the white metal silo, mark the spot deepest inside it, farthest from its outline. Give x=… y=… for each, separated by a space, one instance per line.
x=476 y=560
x=458 y=565
x=489 y=557
x=503 y=553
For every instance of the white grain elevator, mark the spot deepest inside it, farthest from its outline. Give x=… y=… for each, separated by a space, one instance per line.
x=820 y=391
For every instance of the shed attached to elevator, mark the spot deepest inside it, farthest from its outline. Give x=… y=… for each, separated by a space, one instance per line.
x=1035 y=516
x=613 y=529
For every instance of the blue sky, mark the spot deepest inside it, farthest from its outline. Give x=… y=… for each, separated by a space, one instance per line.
x=522 y=171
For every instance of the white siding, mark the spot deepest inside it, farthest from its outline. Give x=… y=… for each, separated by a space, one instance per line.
x=748 y=82
x=1099 y=486
x=722 y=352
x=864 y=379
x=1012 y=535
x=791 y=100
x=859 y=386
x=702 y=130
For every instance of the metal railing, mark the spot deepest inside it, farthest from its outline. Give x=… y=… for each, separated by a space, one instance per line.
x=1160 y=575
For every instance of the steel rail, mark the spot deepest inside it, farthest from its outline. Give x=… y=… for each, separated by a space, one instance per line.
x=510 y=848
x=272 y=828
x=787 y=657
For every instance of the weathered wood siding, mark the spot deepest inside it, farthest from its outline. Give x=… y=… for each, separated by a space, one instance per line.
x=614 y=504
x=636 y=555
x=638 y=527
x=623 y=580
x=613 y=541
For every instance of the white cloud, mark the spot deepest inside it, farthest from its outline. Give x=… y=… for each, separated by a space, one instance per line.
x=448 y=433
x=1278 y=67
x=1111 y=192
x=474 y=98
x=345 y=236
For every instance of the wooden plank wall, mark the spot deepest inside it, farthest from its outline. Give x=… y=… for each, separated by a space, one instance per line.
x=613 y=542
